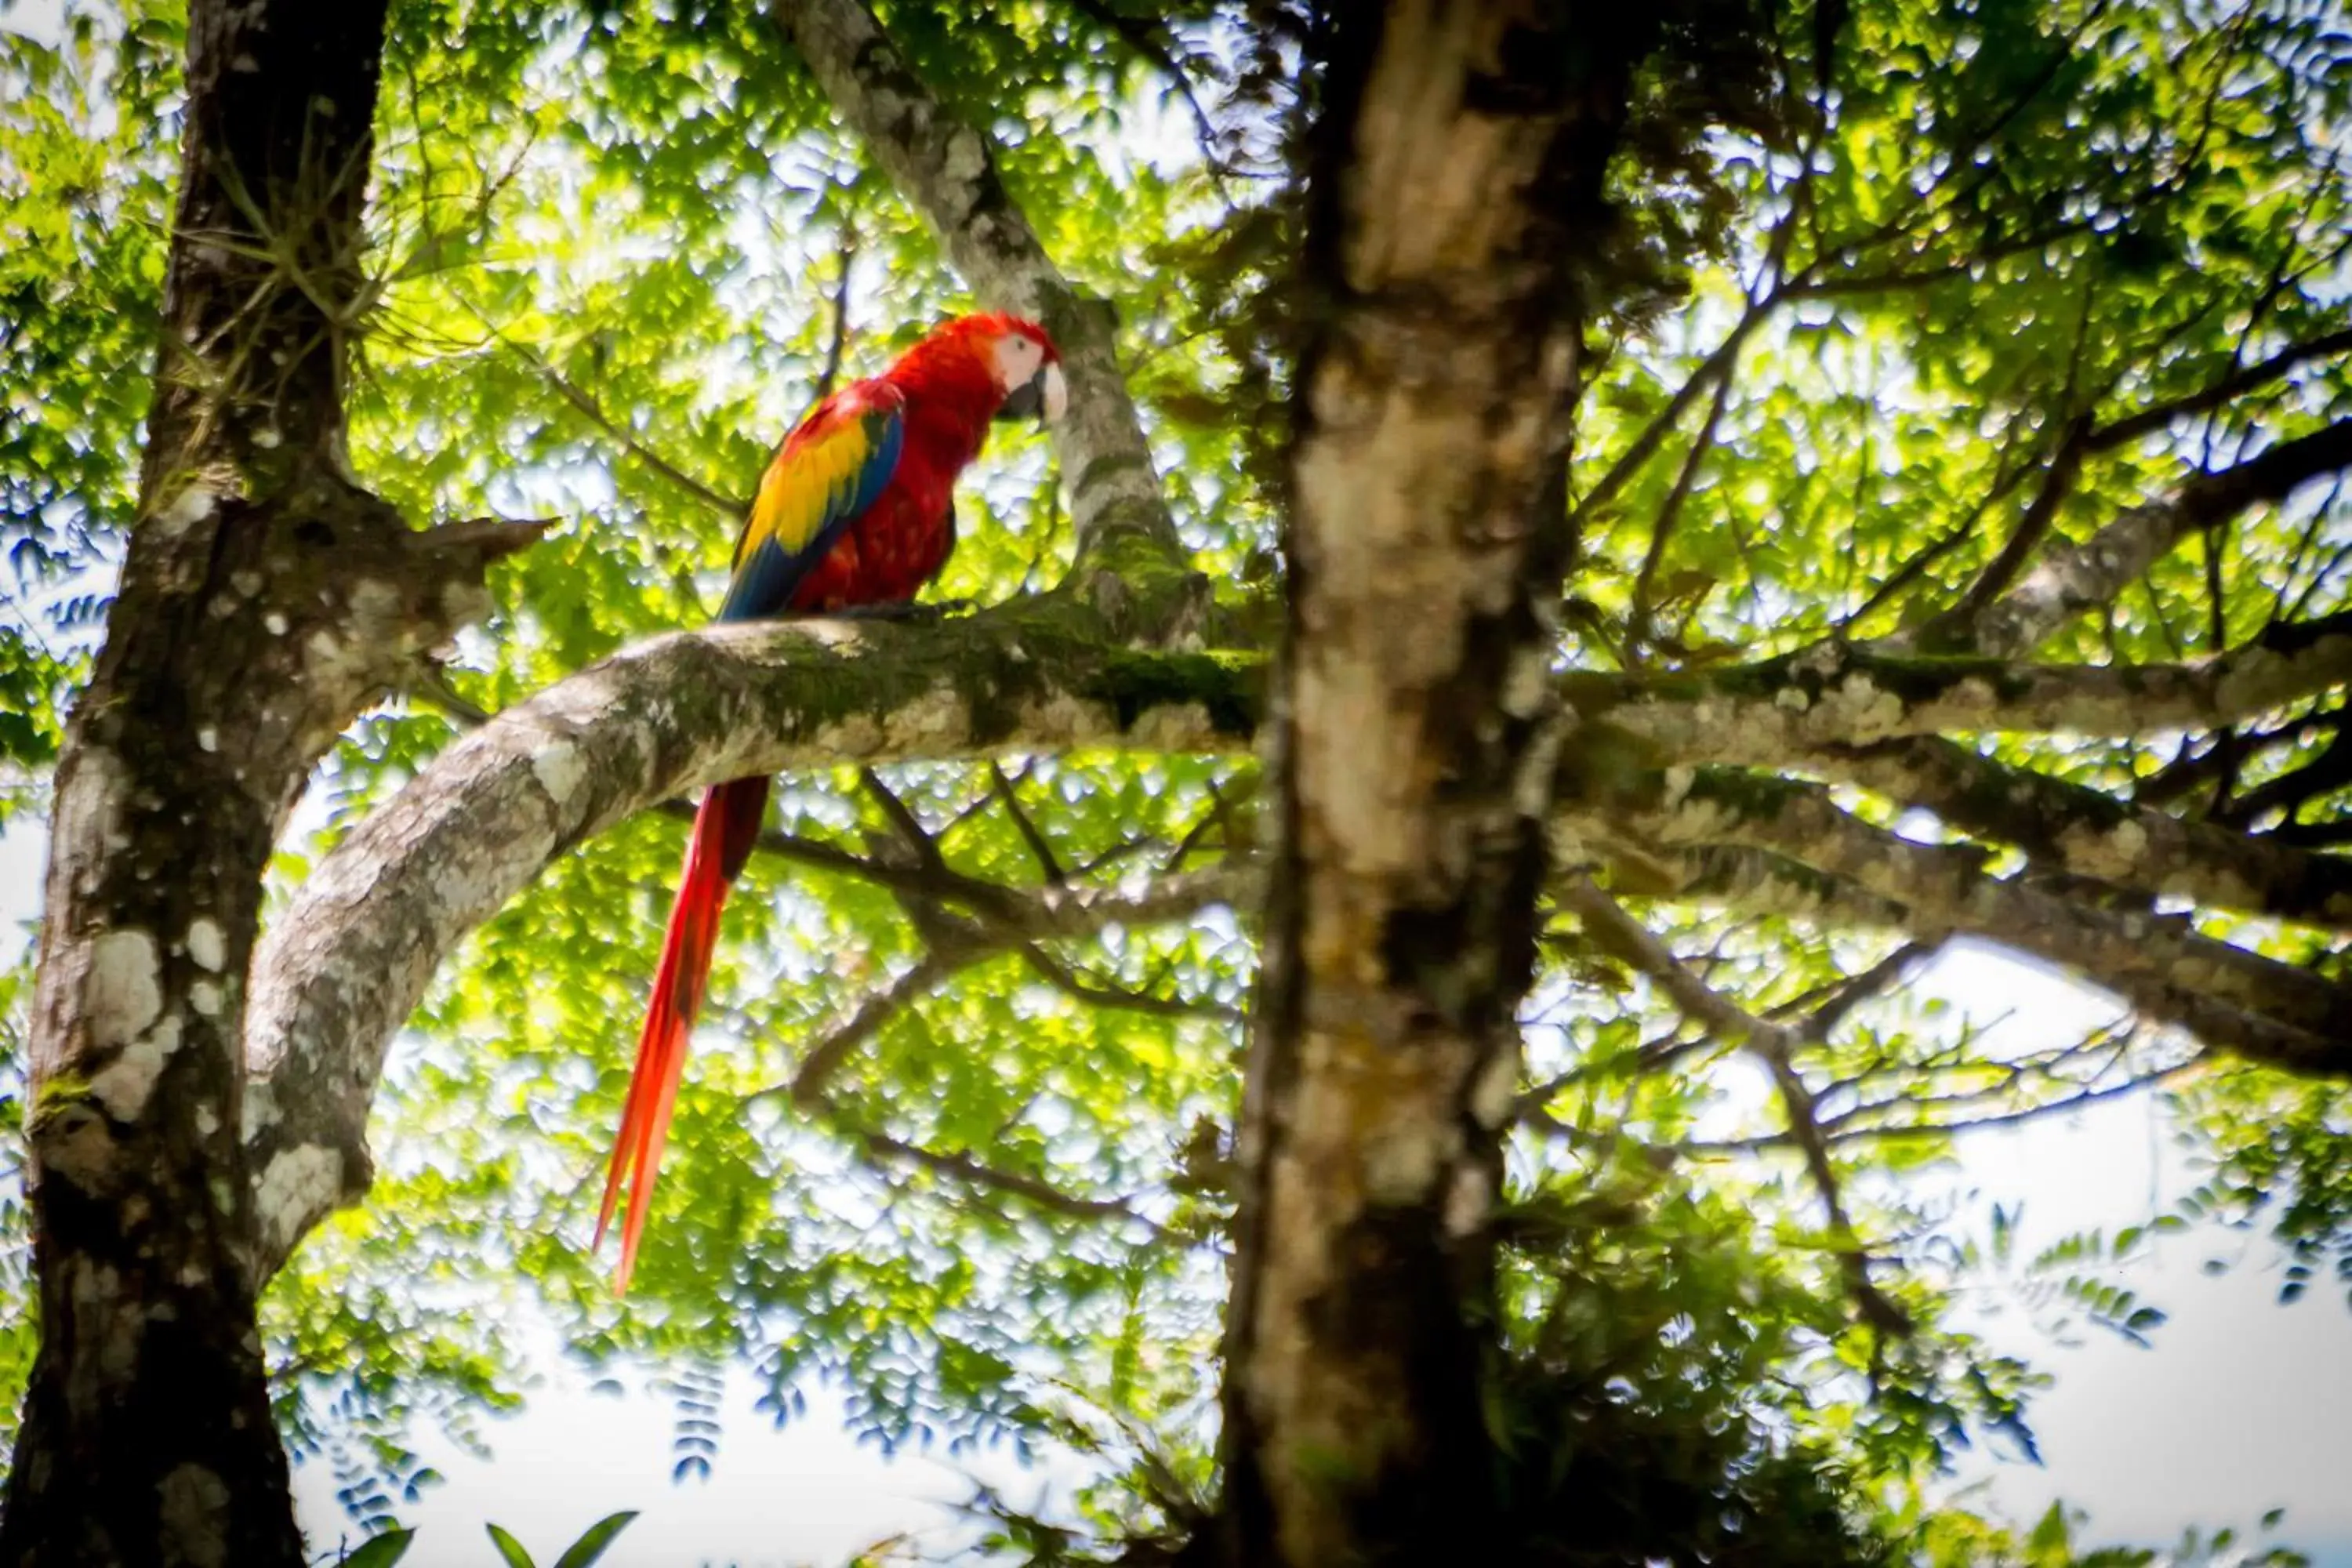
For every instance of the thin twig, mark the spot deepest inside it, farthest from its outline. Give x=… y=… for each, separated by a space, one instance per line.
x=1637 y=634
x=2235 y=385
x=1097 y=993
x=1715 y=367
x=1047 y=864
x=1891 y=1130
x=1137 y=35
x=1620 y=934
x=726 y=506
x=838 y=347
x=903 y=820
x=830 y=1053
x=974 y=1171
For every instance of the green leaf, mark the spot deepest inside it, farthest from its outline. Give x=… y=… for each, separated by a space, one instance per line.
x=381 y=1551
x=592 y=1545
x=2052 y=1534
x=510 y=1548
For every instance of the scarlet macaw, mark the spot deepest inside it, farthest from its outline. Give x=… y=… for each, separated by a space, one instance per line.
x=854 y=509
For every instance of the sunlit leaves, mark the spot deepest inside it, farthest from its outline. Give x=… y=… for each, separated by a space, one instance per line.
x=85 y=141
x=590 y=1547
x=1944 y=243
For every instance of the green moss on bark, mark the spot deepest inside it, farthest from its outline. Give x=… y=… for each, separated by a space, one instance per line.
x=1230 y=687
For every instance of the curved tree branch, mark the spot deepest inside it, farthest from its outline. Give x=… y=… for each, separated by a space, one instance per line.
x=2088 y=833
x=342 y=969
x=1829 y=862
x=1783 y=712
x=2073 y=579
x=346 y=965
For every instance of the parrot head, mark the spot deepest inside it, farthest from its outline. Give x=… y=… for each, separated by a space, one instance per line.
x=1022 y=363
x=976 y=368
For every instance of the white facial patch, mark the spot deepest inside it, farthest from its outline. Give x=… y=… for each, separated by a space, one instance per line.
x=1018 y=355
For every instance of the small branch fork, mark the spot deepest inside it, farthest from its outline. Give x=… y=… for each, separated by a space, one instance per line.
x=881 y=1148
x=732 y=507
x=967 y=920
x=1015 y=921
x=1776 y=1045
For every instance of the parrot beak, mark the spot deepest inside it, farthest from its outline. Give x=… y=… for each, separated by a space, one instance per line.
x=1044 y=396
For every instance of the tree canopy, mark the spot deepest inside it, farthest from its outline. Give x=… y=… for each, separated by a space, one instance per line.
x=1952 y=549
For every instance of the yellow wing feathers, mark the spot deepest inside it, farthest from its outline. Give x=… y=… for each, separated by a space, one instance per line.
x=815 y=473
x=828 y=473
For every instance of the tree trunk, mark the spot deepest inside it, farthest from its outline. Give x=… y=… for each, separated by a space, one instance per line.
x=1457 y=184
x=264 y=599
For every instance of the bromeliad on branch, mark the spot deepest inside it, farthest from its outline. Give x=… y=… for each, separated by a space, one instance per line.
x=855 y=509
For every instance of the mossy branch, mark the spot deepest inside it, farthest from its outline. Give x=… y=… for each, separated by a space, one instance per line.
x=341 y=970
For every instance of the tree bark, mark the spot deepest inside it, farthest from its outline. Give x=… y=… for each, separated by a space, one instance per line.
x=264 y=599
x=1457 y=183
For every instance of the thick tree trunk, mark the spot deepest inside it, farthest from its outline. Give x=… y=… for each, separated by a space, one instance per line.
x=264 y=599
x=1418 y=728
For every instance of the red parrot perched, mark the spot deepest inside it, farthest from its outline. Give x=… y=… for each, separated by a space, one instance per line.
x=856 y=507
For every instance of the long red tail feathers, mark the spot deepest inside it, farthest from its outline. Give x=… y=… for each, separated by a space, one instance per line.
x=724 y=828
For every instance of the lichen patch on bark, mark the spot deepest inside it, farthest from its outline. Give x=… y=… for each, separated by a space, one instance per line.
x=123 y=1086
x=123 y=991
x=194 y=1506
x=297 y=1184
x=206 y=947
x=559 y=769
x=187 y=508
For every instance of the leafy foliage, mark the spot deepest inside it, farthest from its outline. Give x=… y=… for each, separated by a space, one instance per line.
x=381 y=1551
x=1922 y=279
x=384 y=1551
x=82 y=201
x=581 y=1553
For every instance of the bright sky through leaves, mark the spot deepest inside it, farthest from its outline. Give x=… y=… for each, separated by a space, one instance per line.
x=614 y=247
